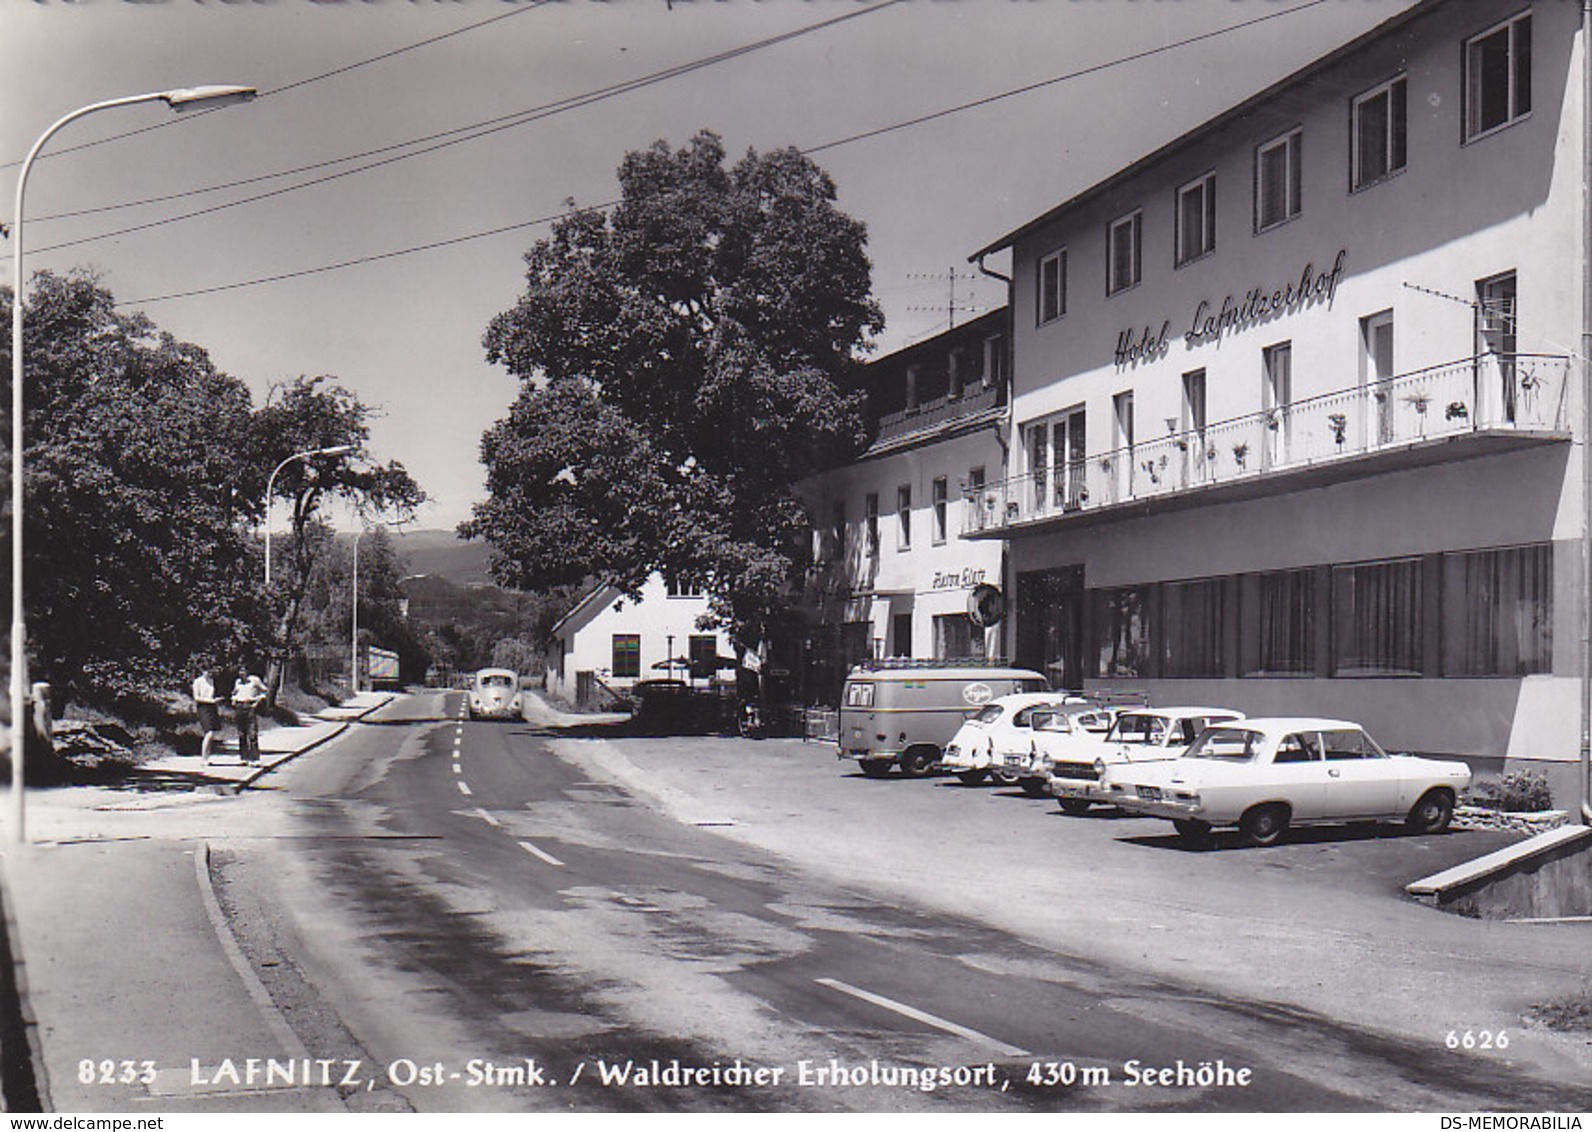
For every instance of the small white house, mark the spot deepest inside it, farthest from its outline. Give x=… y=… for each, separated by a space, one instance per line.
x=611 y=640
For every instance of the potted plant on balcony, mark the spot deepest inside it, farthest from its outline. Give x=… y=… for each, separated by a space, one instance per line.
x=1339 y=424
x=1241 y=452
x=1456 y=411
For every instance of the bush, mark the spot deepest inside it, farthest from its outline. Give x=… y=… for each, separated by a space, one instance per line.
x=1519 y=792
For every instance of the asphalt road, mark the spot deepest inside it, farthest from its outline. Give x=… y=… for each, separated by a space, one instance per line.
x=489 y=916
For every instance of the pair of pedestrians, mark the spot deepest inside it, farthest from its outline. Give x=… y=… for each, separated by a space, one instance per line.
x=247 y=693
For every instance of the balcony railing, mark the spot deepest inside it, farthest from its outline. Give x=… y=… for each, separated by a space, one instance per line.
x=974 y=399
x=1486 y=394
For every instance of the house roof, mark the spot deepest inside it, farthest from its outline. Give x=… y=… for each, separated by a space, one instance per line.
x=1211 y=126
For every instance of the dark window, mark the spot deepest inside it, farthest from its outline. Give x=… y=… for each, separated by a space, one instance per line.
x=1498 y=76
x=627 y=655
x=1498 y=612
x=1380 y=146
x=1193 y=617
x=1053 y=286
x=1196 y=219
x=1277 y=623
x=1277 y=181
x=1377 y=618
x=1122 y=632
x=1124 y=261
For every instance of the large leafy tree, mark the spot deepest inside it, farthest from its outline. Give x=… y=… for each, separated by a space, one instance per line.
x=140 y=497
x=307 y=415
x=685 y=359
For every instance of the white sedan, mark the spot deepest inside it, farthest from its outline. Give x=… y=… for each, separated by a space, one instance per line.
x=1264 y=775
x=1000 y=728
x=1075 y=765
x=495 y=694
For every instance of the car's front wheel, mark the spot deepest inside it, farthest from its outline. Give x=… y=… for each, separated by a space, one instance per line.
x=1264 y=825
x=1432 y=813
x=972 y=777
x=1077 y=807
x=1035 y=787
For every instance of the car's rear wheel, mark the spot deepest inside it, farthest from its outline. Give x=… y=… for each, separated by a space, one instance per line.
x=1195 y=833
x=1035 y=787
x=972 y=777
x=1264 y=825
x=1432 y=813
x=1077 y=807
x=875 y=768
x=918 y=762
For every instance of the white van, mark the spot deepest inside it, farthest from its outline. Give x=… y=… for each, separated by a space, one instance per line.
x=903 y=712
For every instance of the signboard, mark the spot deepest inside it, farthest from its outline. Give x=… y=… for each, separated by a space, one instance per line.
x=382 y=667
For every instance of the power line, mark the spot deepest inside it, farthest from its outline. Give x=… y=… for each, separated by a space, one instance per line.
x=531 y=5
x=866 y=135
x=484 y=129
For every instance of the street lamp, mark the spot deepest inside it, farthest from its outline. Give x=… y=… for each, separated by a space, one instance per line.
x=270 y=484
x=186 y=98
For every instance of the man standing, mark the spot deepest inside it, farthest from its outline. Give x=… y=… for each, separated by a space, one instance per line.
x=204 y=700
x=246 y=697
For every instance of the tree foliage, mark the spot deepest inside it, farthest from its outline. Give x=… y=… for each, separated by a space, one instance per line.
x=137 y=554
x=685 y=359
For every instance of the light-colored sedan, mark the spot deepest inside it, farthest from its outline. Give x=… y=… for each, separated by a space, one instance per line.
x=1264 y=775
x=1075 y=765
x=495 y=694
x=1001 y=728
x=1050 y=727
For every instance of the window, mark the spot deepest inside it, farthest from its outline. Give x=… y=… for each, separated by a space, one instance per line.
x=1278 y=179
x=837 y=530
x=1277 y=623
x=1123 y=260
x=1053 y=286
x=914 y=390
x=870 y=518
x=1122 y=631
x=1378 y=147
x=677 y=588
x=1498 y=612
x=1196 y=219
x=904 y=517
x=956 y=637
x=1194 y=418
x=627 y=655
x=994 y=360
x=1498 y=76
x=1192 y=618
x=957 y=373
x=983 y=511
x=939 y=497
x=1497 y=329
x=901 y=633
x=703 y=652
x=1377 y=618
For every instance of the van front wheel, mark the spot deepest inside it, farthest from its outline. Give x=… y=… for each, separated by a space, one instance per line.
x=917 y=762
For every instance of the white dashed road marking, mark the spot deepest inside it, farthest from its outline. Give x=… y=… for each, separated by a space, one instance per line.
x=920 y=1016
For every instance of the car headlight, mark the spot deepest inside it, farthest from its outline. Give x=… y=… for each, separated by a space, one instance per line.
x=1100 y=767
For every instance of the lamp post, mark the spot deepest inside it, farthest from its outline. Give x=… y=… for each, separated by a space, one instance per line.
x=186 y=98
x=270 y=486
x=353 y=661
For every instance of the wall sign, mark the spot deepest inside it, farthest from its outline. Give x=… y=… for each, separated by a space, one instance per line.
x=963 y=579
x=1234 y=313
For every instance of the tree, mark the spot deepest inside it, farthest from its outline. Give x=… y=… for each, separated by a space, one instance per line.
x=138 y=561
x=305 y=415
x=684 y=361
x=327 y=614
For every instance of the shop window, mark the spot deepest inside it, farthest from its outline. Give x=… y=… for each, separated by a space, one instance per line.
x=1498 y=76
x=1278 y=179
x=626 y=655
x=1196 y=219
x=1498 y=612
x=1193 y=617
x=1377 y=619
x=955 y=637
x=1122 y=632
x=1124 y=260
x=1052 y=286
x=1379 y=146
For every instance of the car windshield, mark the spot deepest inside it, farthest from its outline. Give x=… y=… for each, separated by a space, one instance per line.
x=1230 y=744
x=1132 y=728
x=497 y=680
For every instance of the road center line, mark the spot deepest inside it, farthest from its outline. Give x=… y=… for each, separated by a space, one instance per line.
x=486 y=817
x=927 y=1019
x=464 y=788
x=535 y=852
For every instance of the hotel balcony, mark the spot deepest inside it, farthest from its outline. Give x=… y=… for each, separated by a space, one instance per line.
x=939 y=413
x=1472 y=407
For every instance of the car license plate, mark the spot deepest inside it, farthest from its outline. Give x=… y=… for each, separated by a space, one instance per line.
x=1014 y=760
x=1149 y=793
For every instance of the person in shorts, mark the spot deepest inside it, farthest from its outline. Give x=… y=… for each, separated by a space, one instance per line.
x=209 y=711
x=247 y=695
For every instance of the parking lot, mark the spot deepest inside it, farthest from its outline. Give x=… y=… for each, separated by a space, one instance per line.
x=1319 y=923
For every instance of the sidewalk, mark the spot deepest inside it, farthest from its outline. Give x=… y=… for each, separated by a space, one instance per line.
x=128 y=976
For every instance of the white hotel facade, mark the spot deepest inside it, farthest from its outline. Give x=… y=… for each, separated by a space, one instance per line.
x=1297 y=415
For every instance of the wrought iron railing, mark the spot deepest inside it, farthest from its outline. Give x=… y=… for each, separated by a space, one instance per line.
x=1488 y=393
x=972 y=400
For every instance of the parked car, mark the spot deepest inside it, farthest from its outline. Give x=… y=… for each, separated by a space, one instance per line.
x=903 y=712
x=1073 y=764
x=1025 y=767
x=999 y=735
x=1264 y=775
x=495 y=694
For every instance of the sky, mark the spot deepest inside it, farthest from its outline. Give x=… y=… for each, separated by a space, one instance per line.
x=385 y=278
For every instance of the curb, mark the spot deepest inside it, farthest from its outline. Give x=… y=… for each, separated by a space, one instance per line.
x=23 y=1087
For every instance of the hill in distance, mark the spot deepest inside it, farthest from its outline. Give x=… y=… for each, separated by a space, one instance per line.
x=443 y=554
